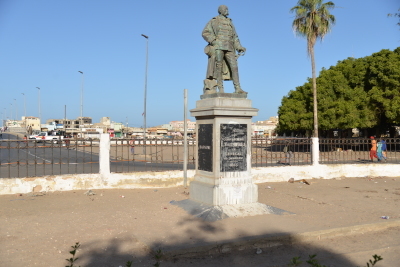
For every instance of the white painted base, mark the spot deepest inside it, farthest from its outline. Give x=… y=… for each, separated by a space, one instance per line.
x=175 y=178
x=224 y=194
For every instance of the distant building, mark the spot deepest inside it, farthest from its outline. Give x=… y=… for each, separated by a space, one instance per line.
x=76 y=123
x=265 y=128
x=105 y=121
x=52 y=126
x=76 y=127
x=103 y=125
x=155 y=132
x=115 y=129
x=13 y=123
x=178 y=125
x=25 y=125
x=31 y=122
x=167 y=126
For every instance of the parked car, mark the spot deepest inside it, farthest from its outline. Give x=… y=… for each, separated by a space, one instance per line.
x=46 y=137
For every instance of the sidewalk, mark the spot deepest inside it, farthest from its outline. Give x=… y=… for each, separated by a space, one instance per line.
x=114 y=226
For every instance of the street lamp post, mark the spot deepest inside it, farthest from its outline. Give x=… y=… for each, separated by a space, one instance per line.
x=82 y=81
x=24 y=121
x=40 y=115
x=127 y=127
x=145 y=93
x=16 y=109
x=11 y=112
x=24 y=104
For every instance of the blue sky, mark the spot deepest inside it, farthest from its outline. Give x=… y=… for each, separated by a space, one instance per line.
x=44 y=43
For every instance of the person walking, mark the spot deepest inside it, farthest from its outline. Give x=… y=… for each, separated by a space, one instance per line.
x=132 y=147
x=372 y=152
x=384 y=149
x=379 y=150
x=288 y=154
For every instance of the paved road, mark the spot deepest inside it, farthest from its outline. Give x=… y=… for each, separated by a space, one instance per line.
x=21 y=158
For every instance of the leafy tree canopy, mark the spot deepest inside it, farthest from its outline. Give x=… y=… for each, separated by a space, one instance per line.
x=356 y=93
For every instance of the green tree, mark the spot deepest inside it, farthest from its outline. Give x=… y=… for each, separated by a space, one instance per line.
x=295 y=113
x=342 y=103
x=313 y=21
x=384 y=86
x=355 y=93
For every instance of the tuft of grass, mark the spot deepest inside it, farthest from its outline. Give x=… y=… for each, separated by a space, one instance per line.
x=376 y=259
x=73 y=259
x=313 y=262
x=158 y=255
x=295 y=262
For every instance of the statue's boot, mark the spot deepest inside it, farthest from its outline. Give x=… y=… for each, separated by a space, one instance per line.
x=236 y=84
x=239 y=90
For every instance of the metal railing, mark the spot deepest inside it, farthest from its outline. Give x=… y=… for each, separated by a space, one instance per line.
x=268 y=152
x=355 y=150
x=32 y=158
x=152 y=155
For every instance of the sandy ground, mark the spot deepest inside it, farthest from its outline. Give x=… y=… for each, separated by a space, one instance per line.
x=351 y=250
x=114 y=226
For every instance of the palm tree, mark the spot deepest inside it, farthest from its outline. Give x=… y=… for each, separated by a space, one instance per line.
x=313 y=21
x=395 y=15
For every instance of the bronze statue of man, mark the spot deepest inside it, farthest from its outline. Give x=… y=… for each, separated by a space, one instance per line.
x=223 y=43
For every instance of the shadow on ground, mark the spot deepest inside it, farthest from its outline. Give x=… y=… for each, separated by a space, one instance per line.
x=199 y=252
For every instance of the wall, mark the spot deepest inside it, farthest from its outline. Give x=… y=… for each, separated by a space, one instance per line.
x=69 y=182
x=175 y=178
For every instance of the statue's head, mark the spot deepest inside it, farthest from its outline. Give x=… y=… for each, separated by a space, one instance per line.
x=223 y=10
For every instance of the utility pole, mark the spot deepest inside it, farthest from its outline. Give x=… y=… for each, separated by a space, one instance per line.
x=11 y=112
x=16 y=109
x=24 y=105
x=82 y=81
x=65 y=120
x=145 y=94
x=40 y=115
x=185 y=148
x=127 y=127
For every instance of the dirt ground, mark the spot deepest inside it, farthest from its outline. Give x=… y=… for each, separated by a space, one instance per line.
x=351 y=250
x=115 y=226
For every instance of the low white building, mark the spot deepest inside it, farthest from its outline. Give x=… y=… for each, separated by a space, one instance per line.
x=265 y=128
